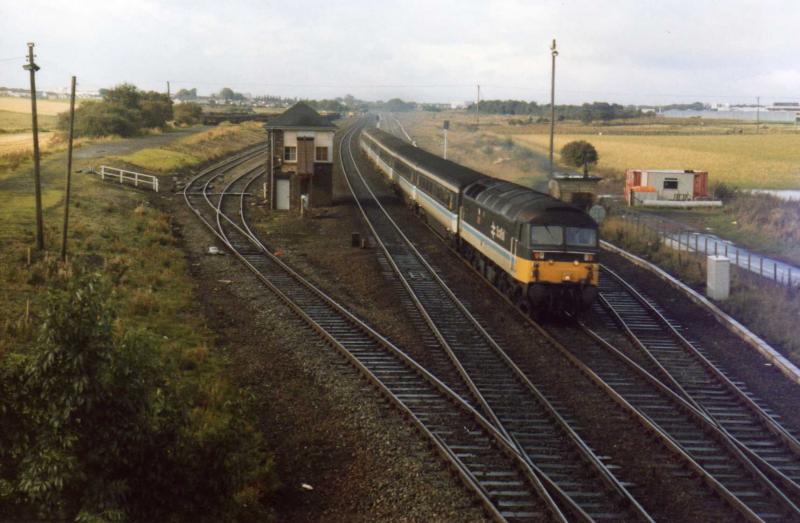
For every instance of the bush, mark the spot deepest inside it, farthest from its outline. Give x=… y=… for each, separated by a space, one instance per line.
x=579 y=153
x=124 y=111
x=97 y=425
x=188 y=113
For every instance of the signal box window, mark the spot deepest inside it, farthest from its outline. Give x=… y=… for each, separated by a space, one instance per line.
x=670 y=183
x=290 y=154
x=321 y=154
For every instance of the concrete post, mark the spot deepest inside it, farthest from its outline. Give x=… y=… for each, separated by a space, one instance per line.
x=718 y=278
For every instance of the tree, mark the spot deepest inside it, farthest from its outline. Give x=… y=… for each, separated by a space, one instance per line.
x=187 y=94
x=580 y=153
x=124 y=111
x=226 y=93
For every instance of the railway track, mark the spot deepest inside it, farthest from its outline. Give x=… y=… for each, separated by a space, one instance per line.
x=684 y=366
x=565 y=464
x=509 y=489
x=704 y=447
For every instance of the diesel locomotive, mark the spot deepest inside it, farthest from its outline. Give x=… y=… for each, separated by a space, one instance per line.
x=539 y=251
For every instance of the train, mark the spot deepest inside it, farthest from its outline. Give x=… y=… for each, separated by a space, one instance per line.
x=539 y=251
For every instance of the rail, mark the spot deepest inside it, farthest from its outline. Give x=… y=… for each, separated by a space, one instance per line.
x=450 y=423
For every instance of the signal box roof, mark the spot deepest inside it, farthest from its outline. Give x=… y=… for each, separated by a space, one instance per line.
x=300 y=117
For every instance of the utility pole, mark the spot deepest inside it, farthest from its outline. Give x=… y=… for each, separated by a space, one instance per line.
x=168 y=93
x=69 y=172
x=758 y=113
x=477 y=107
x=552 y=102
x=32 y=67
x=445 y=127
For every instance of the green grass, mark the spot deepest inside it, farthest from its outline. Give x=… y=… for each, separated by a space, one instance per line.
x=160 y=160
x=194 y=150
x=768 y=309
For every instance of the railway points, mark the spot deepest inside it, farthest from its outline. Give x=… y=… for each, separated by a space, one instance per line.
x=499 y=477
x=498 y=385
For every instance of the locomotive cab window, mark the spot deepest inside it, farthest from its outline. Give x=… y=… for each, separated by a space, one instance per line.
x=670 y=183
x=581 y=237
x=547 y=235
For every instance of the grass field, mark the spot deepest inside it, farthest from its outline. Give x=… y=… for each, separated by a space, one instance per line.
x=732 y=152
x=758 y=161
x=193 y=150
x=43 y=107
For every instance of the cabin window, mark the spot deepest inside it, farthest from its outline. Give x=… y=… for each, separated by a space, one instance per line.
x=321 y=154
x=581 y=237
x=670 y=183
x=547 y=235
x=290 y=154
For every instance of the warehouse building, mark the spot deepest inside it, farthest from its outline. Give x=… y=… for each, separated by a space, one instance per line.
x=300 y=161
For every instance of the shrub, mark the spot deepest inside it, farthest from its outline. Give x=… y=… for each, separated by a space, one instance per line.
x=98 y=425
x=188 y=113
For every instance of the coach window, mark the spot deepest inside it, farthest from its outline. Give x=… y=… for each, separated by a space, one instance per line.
x=547 y=235
x=670 y=183
x=290 y=154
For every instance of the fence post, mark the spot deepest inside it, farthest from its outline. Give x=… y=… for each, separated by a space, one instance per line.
x=155 y=184
x=748 y=260
x=790 y=277
x=103 y=172
x=726 y=250
x=737 y=256
x=136 y=179
x=774 y=270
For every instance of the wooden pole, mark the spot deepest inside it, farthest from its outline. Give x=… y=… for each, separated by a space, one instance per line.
x=32 y=67
x=69 y=172
x=552 y=101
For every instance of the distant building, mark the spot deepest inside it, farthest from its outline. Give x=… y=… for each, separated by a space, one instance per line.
x=667 y=188
x=300 y=158
x=785 y=106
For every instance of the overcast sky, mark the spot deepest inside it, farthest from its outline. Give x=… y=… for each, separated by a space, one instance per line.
x=625 y=51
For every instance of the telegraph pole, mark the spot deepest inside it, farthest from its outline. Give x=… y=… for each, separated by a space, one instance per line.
x=69 y=172
x=168 y=92
x=32 y=67
x=552 y=102
x=758 y=113
x=477 y=107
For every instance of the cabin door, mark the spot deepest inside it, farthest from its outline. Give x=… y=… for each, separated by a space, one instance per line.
x=305 y=155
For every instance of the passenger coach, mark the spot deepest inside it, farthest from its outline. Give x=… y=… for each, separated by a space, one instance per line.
x=539 y=251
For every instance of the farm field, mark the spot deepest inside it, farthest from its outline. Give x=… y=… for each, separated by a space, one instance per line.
x=753 y=161
x=731 y=151
x=43 y=107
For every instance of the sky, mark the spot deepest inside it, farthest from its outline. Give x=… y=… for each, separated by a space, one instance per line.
x=624 y=51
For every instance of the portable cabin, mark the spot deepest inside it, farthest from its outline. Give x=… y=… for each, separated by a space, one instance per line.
x=650 y=186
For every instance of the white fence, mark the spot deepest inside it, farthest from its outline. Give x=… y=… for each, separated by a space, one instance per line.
x=129 y=177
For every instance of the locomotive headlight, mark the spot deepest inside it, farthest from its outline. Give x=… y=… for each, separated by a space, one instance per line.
x=588 y=257
x=575 y=263
x=538 y=255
